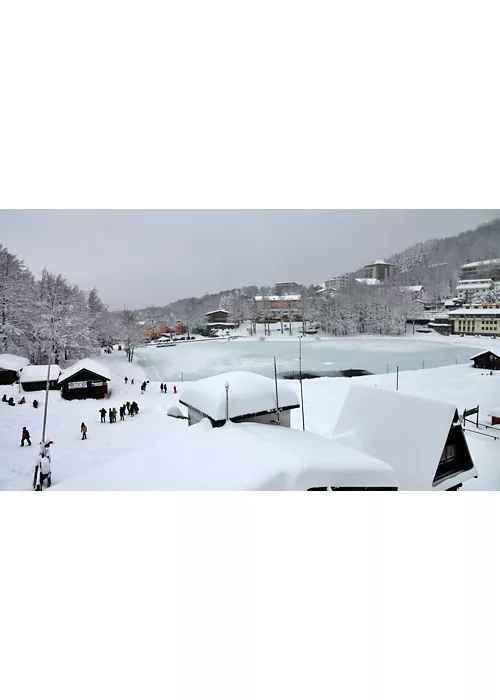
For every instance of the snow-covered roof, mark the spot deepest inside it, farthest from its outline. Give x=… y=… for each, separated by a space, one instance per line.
x=414 y=288
x=13 y=362
x=249 y=393
x=379 y=262
x=89 y=365
x=221 y=323
x=485 y=352
x=368 y=280
x=407 y=432
x=217 y=311
x=245 y=457
x=275 y=297
x=38 y=373
x=495 y=261
x=475 y=312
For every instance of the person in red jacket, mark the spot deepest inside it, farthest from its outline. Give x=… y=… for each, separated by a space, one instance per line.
x=25 y=437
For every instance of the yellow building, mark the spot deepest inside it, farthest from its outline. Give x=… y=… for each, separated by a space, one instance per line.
x=483 y=319
x=379 y=270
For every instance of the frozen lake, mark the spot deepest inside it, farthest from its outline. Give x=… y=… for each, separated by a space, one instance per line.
x=193 y=361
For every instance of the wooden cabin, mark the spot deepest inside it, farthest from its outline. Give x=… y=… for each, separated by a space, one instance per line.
x=85 y=379
x=486 y=360
x=219 y=319
x=34 y=377
x=10 y=367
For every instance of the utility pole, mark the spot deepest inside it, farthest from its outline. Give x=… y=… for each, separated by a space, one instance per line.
x=227 y=402
x=277 y=399
x=301 y=388
x=47 y=386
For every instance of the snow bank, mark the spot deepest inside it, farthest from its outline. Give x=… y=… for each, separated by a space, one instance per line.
x=38 y=373
x=249 y=394
x=14 y=363
x=89 y=365
x=408 y=432
x=239 y=458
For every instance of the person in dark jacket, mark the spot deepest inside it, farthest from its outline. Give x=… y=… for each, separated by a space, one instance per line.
x=175 y=390
x=83 y=430
x=25 y=437
x=161 y=387
x=129 y=407
x=122 y=412
x=103 y=415
x=11 y=402
x=4 y=398
x=126 y=380
x=110 y=415
x=35 y=404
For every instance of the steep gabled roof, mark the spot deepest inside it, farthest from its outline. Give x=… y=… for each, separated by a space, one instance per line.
x=89 y=365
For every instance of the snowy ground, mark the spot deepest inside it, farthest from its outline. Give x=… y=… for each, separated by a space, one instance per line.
x=375 y=354
x=323 y=400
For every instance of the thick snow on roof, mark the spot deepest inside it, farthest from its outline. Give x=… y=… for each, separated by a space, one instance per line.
x=414 y=288
x=249 y=393
x=484 y=352
x=407 y=432
x=245 y=457
x=217 y=311
x=38 y=373
x=378 y=262
x=368 y=280
x=89 y=365
x=13 y=362
x=475 y=312
x=284 y=297
x=495 y=261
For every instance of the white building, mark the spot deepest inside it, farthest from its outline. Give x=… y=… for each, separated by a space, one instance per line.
x=467 y=289
x=417 y=291
x=250 y=397
x=368 y=281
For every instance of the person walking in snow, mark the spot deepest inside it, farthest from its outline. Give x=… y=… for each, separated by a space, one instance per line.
x=126 y=380
x=110 y=411
x=103 y=415
x=25 y=437
x=161 y=387
x=83 y=430
x=35 y=404
x=128 y=408
x=131 y=381
x=114 y=415
x=165 y=388
x=4 y=398
x=175 y=389
x=122 y=412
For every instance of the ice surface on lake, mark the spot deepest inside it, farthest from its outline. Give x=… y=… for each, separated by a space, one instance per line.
x=192 y=361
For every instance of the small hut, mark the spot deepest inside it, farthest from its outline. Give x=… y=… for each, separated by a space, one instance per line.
x=85 y=379
x=10 y=367
x=34 y=377
x=486 y=360
x=251 y=398
x=422 y=439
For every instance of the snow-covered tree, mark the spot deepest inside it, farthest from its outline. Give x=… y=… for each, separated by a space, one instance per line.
x=16 y=287
x=131 y=334
x=491 y=296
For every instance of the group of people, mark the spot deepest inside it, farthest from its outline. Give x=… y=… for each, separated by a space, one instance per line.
x=131 y=408
x=21 y=402
x=164 y=388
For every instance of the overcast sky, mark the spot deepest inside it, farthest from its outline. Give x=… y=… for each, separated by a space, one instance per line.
x=137 y=258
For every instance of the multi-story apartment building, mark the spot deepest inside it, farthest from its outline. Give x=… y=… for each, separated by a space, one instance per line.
x=467 y=289
x=286 y=288
x=481 y=269
x=379 y=270
x=483 y=319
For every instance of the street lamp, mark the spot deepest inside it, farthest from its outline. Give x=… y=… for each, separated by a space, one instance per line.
x=300 y=379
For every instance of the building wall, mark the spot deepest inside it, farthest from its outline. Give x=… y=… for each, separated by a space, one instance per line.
x=476 y=325
x=379 y=272
x=267 y=419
